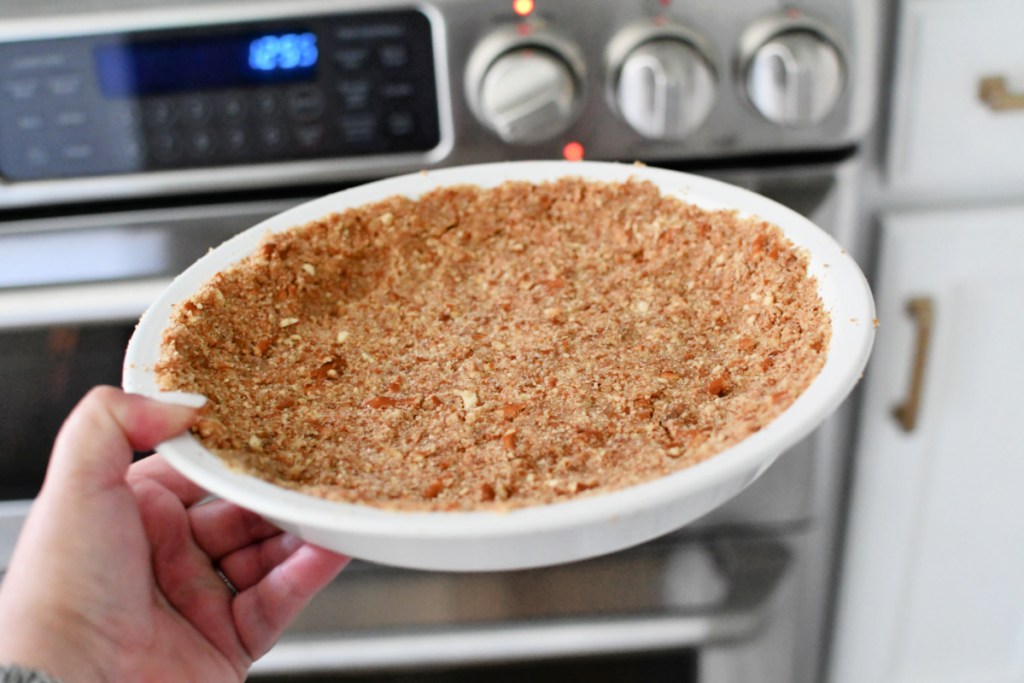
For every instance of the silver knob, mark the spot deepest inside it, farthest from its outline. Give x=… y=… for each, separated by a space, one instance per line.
x=660 y=81
x=527 y=89
x=795 y=77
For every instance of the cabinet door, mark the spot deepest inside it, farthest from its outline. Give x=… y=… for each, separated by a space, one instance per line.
x=932 y=578
x=946 y=138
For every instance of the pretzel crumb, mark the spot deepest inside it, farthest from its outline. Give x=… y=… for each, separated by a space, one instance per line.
x=485 y=349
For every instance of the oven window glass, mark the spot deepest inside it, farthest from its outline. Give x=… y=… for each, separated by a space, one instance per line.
x=43 y=374
x=679 y=666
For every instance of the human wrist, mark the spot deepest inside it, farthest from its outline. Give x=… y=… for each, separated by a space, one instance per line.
x=15 y=673
x=47 y=664
x=29 y=644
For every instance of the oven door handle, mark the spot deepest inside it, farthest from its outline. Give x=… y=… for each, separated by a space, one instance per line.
x=78 y=304
x=753 y=570
x=506 y=643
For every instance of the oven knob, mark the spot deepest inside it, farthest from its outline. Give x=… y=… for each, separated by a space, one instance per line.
x=525 y=86
x=792 y=71
x=660 y=80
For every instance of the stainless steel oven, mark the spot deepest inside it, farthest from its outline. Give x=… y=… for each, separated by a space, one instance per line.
x=135 y=135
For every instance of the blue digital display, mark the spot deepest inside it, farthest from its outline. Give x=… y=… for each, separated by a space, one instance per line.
x=139 y=68
x=285 y=52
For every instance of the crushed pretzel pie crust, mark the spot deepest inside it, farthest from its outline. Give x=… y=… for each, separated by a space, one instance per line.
x=482 y=349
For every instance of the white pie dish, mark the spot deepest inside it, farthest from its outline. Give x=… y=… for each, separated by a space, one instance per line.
x=549 y=534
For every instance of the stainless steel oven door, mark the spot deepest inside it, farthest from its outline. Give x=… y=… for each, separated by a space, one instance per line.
x=744 y=589
x=71 y=289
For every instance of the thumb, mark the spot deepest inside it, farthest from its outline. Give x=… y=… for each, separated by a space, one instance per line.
x=95 y=445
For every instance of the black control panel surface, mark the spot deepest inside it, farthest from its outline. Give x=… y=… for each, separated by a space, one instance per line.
x=337 y=86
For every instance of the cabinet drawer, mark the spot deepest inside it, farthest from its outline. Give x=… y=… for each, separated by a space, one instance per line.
x=945 y=139
x=931 y=590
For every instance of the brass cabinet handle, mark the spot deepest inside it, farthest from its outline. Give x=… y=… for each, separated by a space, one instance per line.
x=922 y=310
x=995 y=93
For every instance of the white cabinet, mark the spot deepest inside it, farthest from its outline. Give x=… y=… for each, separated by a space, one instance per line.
x=933 y=572
x=945 y=138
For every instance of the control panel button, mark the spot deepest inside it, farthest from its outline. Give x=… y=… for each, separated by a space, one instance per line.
x=37 y=156
x=358 y=128
x=129 y=152
x=351 y=58
x=159 y=113
x=267 y=103
x=355 y=93
x=29 y=122
x=397 y=91
x=124 y=116
x=309 y=136
x=232 y=107
x=401 y=123
x=21 y=89
x=394 y=55
x=164 y=147
x=305 y=104
x=235 y=140
x=64 y=85
x=273 y=137
x=79 y=151
x=201 y=143
x=525 y=88
x=70 y=118
x=196 y=109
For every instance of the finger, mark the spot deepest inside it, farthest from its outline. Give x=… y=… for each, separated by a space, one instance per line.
x=94 y=446
x=179 y=398
x=246 y=567
x=264 y=611
x=220 y=527
x=182 y=570
x=155 y=468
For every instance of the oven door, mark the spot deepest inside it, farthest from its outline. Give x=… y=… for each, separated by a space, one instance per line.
x=744 y=589
x=71 y=291
x=656 y=612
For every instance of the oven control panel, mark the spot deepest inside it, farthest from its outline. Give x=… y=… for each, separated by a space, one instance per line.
x=314 y=87
x=114 y=99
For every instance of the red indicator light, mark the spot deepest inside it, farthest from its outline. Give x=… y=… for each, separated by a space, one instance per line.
x=523 y=8
x=573 y=151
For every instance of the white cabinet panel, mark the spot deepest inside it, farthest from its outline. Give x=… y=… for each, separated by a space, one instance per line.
x=944 y=138
x=933 y=572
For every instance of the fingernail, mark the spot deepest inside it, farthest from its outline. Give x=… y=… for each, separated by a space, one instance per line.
x=180 y=398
